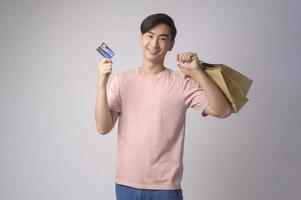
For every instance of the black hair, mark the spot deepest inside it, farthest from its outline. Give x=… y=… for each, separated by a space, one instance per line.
x=156 y=19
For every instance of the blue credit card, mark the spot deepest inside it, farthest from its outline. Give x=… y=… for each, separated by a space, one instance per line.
x=105 y=51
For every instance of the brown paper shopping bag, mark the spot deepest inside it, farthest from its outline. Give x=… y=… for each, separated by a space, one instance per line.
x=232 y=83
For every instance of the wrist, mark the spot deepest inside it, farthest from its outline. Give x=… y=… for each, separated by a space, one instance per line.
x=102 y=84
x=198 y=70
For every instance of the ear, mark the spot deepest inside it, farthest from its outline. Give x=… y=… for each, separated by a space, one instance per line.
x=171 y=45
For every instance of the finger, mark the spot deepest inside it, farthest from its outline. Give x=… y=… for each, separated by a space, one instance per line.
x=182 y=58
x=192 y=56
x=100 y=65
x=106 y=60
x=107 y=68
x=104 y=65
x=187 y=57
x=106 y=71
x=107 y=65
x=196 y=56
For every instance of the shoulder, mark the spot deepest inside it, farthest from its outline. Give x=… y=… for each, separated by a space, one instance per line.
x=123 y=77
x=176 y=74
x=127 y=72
x=185 y=81
x=124 y=74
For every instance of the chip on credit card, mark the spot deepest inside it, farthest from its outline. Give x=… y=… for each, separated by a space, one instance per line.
x=105 y=51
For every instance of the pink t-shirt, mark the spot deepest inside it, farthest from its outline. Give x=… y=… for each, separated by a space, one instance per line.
x=151 y=126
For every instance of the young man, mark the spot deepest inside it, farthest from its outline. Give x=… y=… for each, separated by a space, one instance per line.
x=151 y=102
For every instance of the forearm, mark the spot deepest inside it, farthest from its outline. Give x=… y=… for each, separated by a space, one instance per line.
x=103 y=114
x=216 y=98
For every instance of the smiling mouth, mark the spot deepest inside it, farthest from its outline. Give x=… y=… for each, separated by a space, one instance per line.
x=153 y=51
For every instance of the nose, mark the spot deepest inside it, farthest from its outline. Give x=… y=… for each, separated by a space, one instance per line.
x=155 y=42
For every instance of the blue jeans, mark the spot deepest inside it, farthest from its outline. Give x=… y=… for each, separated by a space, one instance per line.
x=129 y=193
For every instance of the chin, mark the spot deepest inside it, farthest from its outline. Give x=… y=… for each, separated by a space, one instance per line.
x=157 y=57
x=153 y=58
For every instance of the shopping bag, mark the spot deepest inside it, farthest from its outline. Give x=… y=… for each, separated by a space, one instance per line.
x=232 y=83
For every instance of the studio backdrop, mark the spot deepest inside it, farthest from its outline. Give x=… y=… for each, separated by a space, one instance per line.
x=49 y=145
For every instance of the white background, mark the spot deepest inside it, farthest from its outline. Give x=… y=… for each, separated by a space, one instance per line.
x=49 y=146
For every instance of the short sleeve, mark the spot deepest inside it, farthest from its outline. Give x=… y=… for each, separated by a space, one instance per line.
x=114 y=99
x=194 y=95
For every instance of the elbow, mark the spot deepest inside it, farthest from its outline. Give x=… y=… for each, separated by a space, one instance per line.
x=225 y=114
x=103 y=128
x=103 y=131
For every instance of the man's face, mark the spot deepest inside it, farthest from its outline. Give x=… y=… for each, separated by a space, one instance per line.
x=156 y=42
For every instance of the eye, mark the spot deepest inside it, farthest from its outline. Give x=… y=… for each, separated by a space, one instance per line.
x=149 y=36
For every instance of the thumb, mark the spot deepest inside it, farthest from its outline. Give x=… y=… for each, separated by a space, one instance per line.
x=194 y=57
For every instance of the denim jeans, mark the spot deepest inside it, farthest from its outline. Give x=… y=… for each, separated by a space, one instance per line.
x=129 y=193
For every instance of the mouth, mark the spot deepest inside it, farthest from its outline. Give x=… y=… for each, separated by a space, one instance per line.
x=153 y=51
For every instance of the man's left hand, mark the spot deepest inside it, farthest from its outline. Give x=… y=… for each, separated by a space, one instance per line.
x=189 y=62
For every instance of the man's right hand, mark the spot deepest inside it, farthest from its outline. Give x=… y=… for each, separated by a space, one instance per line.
x=104 y=69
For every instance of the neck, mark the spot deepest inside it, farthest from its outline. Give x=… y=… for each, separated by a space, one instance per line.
x=151 y=67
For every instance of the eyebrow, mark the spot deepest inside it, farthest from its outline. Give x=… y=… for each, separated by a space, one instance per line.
x=166 y=35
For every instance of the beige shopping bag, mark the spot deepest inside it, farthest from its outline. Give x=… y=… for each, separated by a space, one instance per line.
x=232 y=83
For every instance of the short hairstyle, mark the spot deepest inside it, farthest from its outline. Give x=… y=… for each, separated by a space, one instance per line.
x=156 y=19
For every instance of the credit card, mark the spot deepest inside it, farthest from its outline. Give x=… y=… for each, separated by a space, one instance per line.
x=105 y=51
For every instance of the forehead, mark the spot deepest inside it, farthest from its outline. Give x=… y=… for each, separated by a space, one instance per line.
x=160 y=29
